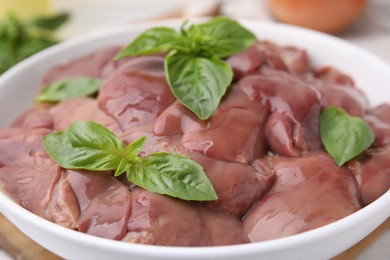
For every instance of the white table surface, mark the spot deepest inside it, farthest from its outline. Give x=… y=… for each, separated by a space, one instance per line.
x=371 y=31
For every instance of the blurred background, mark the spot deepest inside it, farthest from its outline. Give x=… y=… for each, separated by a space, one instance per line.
x=363 y=22
x=27 y=26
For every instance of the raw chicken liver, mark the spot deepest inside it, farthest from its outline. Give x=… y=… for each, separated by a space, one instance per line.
x=19 y=146
x=79 y=109
x=104 y=203
x=35 y=117
x=372 y=172
x=27 y=174
x=379 y=120
x=242 y=184
x=95 y=65
x=31 y=185
x=260 y=149
x=237 y=117
x=293 y=125
x=308 y=192
x=137 y=92
x=160 y=220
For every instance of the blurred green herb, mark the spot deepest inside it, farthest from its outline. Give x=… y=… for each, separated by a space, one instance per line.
x=20 y=39
x=50 y=23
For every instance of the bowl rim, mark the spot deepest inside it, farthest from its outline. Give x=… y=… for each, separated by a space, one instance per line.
x=7 y=204
x=198 y=252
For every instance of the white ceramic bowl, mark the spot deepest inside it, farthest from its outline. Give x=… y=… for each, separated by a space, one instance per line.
x=18 y=86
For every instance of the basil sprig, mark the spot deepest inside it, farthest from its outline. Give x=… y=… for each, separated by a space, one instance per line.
x=198 y=82
x=90 y=146
x=196 y=73
x=344 y=136
x=68 y=88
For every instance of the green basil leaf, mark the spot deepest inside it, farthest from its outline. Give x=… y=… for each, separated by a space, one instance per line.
x=50 y=23
x=68 y=88
x=198 y=83
x=228 y=36
x=90 y=146
x=85 y=145
x=123 y=166
x=344 y=136
x=173 y=175
x=133 y=149
x=154 y=40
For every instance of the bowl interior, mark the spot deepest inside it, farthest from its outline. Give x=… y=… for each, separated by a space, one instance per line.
x=19 y=85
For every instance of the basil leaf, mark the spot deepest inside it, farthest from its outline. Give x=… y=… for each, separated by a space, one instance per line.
x=344 y=136
x=173 y=175
x=198 y=83
x=228 y=36
x=154 y=40
x=69 y=88
x=123 y=166
x=49 y=22
x=85 y=145
x=133 y=149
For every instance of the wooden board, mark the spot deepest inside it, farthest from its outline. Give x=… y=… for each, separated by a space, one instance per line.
x=20 y=247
